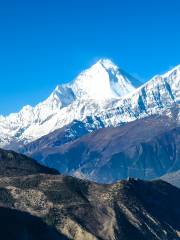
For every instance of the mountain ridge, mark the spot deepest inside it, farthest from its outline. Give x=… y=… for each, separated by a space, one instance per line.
x=145 y=148
x=153 y=97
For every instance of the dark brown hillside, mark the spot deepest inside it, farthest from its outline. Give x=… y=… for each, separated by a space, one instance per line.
x=83 y=210
x=50 y=206
x=17 y=225
x=15 y=164
x=146 y=148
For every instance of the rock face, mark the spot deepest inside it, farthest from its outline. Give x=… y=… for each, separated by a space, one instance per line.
x=146 y=148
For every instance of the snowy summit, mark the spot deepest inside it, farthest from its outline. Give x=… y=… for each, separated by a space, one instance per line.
x=103 y=81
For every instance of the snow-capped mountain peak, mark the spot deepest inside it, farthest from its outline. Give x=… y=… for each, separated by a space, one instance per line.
x=85 y=95
x=106 y=64
x=102 y=81
x=104 y=92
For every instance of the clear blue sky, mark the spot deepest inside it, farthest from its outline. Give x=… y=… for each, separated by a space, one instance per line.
x=46 y=42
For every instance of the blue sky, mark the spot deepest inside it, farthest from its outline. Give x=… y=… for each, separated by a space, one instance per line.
x=45 y=43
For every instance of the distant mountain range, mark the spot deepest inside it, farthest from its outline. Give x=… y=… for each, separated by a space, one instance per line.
x=146 y=148
x=105 y=93
x=104 y=126
x=37 y=203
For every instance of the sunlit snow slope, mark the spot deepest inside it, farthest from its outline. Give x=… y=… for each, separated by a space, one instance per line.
x=84 y=96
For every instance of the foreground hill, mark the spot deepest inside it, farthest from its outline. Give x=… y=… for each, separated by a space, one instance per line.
x=146 y=148
x=83 y=210
x=17 y=225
